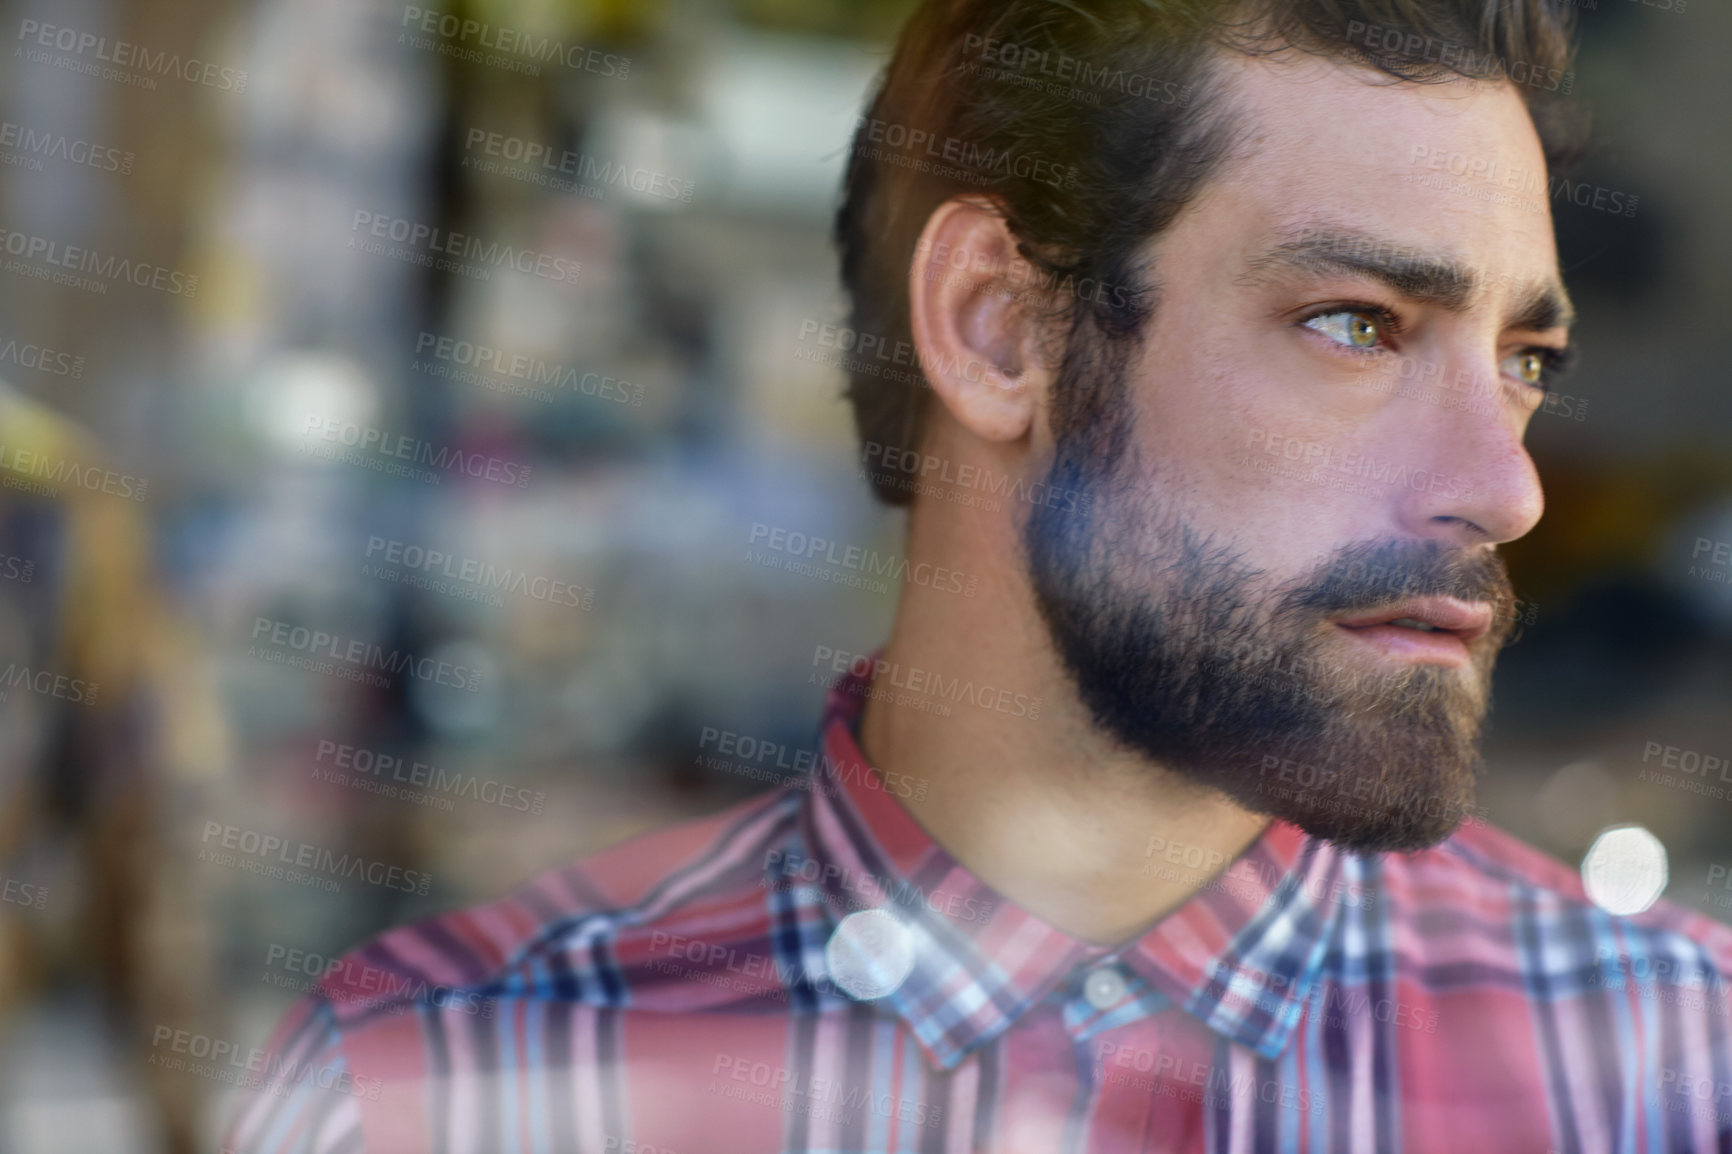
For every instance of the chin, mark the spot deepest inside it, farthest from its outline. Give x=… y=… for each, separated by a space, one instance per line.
x=1391 y=835
x=1419 y=822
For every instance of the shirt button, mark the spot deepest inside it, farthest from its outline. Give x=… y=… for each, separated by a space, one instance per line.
x=1105 y=988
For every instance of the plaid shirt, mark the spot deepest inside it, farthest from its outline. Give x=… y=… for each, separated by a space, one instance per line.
x=688 y=992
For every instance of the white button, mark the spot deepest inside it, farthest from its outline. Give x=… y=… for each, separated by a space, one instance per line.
x=1105 y=988
x=870 y=954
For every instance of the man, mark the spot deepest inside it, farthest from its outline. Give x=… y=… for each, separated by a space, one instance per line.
x=1157 y=842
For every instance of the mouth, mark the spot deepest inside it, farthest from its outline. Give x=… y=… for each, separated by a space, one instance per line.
x=1438 y=630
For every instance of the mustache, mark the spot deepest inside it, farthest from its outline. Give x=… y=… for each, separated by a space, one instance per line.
x=1369 y=575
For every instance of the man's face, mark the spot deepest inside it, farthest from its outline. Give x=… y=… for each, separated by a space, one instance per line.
x=1320 y=432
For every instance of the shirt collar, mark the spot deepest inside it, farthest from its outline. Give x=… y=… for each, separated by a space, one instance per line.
x=1241 y=955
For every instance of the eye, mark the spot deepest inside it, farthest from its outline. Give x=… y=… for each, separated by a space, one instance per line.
x=1534 y=366
x=1527 y=366
x=1352 y=328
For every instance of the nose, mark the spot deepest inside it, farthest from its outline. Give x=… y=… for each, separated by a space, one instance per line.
x=1481 y=485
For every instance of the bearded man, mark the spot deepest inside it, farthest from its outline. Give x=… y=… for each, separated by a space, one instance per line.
x=1163 y=840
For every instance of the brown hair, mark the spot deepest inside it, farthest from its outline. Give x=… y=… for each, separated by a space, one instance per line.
x=1091 y=124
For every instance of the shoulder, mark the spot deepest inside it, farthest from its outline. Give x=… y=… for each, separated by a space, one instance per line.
x=1487 y=884
x=586 y=933
x=585 y=920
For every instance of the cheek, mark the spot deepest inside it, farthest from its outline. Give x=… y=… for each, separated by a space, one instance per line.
x=1243 y=453
x=1193 y=398
x=1203 y=424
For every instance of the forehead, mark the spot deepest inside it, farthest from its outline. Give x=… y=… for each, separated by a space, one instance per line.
x=1453 y=168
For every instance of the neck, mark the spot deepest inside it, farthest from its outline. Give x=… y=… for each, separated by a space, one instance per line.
x=1022 y=789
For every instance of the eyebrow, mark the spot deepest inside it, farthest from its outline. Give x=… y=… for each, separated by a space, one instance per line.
x=1543 y=307
x=1419 y=276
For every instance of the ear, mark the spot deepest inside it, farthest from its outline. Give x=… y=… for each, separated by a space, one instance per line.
x=978 y=343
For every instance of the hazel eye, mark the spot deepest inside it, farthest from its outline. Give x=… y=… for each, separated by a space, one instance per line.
x=1527 y=366
x=1352 y=328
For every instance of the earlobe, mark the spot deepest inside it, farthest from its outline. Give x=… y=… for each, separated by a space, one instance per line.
x=972 y=328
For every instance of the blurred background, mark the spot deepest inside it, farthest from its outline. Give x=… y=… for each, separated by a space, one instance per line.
x=393 y=401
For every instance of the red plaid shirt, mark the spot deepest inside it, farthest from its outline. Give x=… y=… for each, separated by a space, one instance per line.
x=811 y=972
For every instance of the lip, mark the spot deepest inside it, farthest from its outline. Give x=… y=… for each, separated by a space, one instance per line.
x=1457 y=623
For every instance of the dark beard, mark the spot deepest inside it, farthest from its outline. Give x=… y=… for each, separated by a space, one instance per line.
x=1183 y=653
